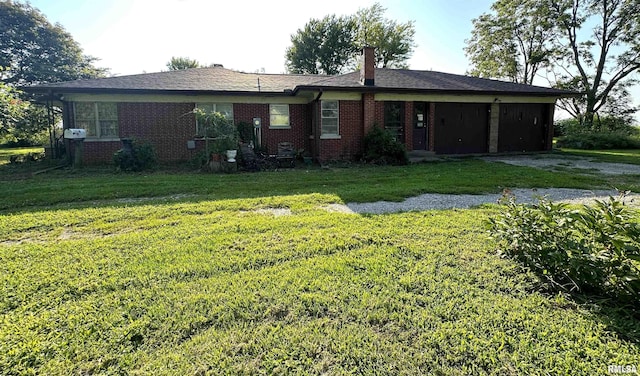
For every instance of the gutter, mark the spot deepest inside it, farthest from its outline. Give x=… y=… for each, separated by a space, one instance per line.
x=296 y=90
x=41 y=89
x=377 y=89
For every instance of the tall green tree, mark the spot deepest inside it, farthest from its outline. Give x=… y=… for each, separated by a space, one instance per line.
x=332 y=45
x=512 y=42
x=601 y=63
x=589 y=46
x=34 y=51
x=179 y=63
x=393 y=40
x=12 y=108
x=324 y=46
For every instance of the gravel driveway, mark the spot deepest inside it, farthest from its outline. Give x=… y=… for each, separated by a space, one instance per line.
x=544 y=161
x=446 y=201
x=553 y=162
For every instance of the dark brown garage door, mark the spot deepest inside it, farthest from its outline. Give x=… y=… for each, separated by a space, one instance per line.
x=523 y=127
x=461 y=128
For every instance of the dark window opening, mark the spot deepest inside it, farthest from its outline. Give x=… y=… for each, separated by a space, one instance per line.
x=394 y=119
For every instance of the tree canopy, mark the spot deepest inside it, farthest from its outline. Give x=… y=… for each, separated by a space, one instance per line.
x=179 y=63
x=33 y=51
x=393 y=41
x=324 y=46
x=332 y=45
x=512 y=42
x=588 y=46
x=599 y=64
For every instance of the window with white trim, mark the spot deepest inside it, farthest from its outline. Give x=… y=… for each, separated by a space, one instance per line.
x=330 y=119
x=99 y=119
x=225 y=109
x=279 y=116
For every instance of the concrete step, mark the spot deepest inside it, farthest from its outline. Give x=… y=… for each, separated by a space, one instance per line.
x=417 y=156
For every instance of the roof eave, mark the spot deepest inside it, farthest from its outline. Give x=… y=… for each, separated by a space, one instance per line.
x=363 y=89
x=379 y=89
x=68 y=90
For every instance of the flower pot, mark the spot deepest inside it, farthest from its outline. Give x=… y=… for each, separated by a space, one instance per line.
x=231 y=155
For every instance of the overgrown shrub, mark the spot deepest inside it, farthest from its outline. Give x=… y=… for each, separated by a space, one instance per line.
x=138 y=156
x=601 y=124
x=24 y=158
x=566 y=127
x=594 y=250
x=598 y=140
x=245 y=132
x=199 y=160
x=381 y=147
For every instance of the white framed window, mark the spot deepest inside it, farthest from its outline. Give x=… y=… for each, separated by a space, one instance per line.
x=330 y=119
x=279 y=116
x=99 y=119
x=224 y=108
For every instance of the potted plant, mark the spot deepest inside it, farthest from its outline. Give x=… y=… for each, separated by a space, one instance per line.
x=221 y=131
x=229 y=145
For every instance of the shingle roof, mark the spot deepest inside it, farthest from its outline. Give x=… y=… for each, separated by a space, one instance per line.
x=430 y=81
x=218 y=79
x=214 y=79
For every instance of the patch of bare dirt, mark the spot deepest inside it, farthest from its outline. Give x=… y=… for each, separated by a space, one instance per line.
x=277 y=212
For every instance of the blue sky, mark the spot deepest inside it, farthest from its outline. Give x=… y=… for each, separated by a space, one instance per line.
x=136 y=36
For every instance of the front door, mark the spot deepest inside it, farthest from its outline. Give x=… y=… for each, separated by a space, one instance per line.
x=420 y=126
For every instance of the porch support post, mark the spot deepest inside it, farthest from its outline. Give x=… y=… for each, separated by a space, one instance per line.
x=494 y=124
x=432 y=127
x=549 y=120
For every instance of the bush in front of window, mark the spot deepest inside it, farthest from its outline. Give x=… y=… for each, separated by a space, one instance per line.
x=135 y=156
x=245 y=132
x=381 y=147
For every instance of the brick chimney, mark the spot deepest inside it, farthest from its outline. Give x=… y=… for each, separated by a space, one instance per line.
x=367 y=66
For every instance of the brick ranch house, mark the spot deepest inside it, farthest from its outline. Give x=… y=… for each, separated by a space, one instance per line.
x=327 y=116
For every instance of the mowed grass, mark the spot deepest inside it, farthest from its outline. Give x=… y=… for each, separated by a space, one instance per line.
x=6 y=153
x=355 y=184
x=282 y=285
x=631 y=156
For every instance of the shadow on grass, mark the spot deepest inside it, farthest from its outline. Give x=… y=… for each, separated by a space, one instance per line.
x=625 y=321
x=100 y=186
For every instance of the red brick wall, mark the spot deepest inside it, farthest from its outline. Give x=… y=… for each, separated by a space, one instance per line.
x=369 y=110
x=94 y=152
x=299 y=119
x=379 y=114
x=408 y=125
x=349 y=145
x=167 y=126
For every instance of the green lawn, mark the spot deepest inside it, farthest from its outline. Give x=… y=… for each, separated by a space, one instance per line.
x=6 y=153
x=235 y=287
x=631 y=156
x=363 y=184
x=252 y=274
